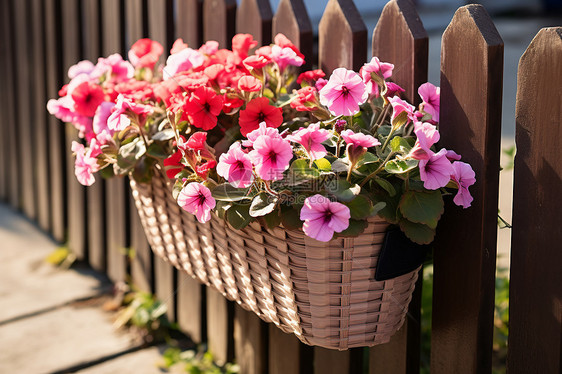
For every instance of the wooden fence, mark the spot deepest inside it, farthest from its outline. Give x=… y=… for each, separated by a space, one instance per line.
x=41 y=39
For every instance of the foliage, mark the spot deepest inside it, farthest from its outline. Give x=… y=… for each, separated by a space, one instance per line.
x=196 y=362
x=61 y=257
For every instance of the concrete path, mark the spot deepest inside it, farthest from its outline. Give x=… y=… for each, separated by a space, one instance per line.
x=51 y=320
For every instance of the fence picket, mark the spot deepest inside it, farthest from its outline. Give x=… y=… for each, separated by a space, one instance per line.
x=291 y=19
x=250 y=342
x=471 y=94
x=56 y=133
x=9 y=124
x=287 y=354
x=401 y=39
x=4 y=125
x=342 y=37
x=76 y=193
x=219 y=21
x=189 y=313
x=220 y=326
x=535 y=289
x=39 y=128
x=255 y=17
x=189 y=25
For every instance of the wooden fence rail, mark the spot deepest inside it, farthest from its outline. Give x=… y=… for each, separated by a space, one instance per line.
x=40 y=40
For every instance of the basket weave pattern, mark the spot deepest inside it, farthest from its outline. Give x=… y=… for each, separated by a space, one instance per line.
x=324 y=293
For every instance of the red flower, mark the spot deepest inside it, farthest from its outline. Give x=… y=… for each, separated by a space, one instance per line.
x=63 y=91
x=249 y=83
x=203 y=107
x=306 y=100
x=241 y=44
x=283 y=42
x=231 y=103
x=173 y=165
x=87 y=97
x=203 y=169
x=136 y=90
x=256 y=62
x=145 y=53
x=258 y=110
x=178 y=46
x=310 y=76
x=197 y=141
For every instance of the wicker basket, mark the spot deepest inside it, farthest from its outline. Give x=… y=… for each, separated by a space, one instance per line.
x=324 y=293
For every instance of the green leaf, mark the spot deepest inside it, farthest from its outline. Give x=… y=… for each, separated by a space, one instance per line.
x=283 y=100
x=272 y=219
x=239 y=216
x=128 y=156
x=366 y=159
x=340 y=165
x=400 y=145
x=417 y=232
x=155 y=150
x=177 y=188
x=331 y=142
x=164 y=135
x=221 y=208
x=226 y=192
x=386 y=185
x=390 y=211
x=323 y=165
x=355 y=228
x=143 y=170
x=377 y=208
x=422 y=207
x=262 y=204
x=107 y=172
x=342 y=189
x=400 y=166
x=360 y=207
x=300 y=169
x=290 y=217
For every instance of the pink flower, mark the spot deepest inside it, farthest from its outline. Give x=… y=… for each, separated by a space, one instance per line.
x=83 y=67
x=375 y=66
x=271 y=157
x=311 y=139
x=399 y=106
x=119 y=70
x=359 y=139
x=182 y=61
x=320 y=83
x=463 y=176
x=87 y=96
x=236 y=167
x=118 y=120
x=197 y=199
x=323 y=217
x=99 y=125
x=145 y=53
x=86 y=163
x=453 y=156
x=285 y=56
x=249 y=83
x=435 y=171
x=61 y=108
x=178 y=46
x=430 y=96
x=209 y=48
x=344 y=92
x=427 y=135
x=263 y=129
x=392 y=89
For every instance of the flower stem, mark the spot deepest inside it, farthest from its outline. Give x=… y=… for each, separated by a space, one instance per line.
x=387 y=139
x=381 y=118
x=378 y=169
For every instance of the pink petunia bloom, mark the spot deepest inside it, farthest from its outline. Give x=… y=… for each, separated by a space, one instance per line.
x=178 y=46
x=375 y=66
x=263 y=129
x=242 y=43
x=453 y=156
x=427 y=135
x=197 y=199
x=464 y=177
x=87 y=96
x=99 y=125
x=311 y=139
x=210 y=47
x=61 y=108
x=320 y=83
x=285 y=56
x=249 y=83
x=323 y=217
x=236 y=167
x=359 y=139
x=86 y=163
x=118 y=69
x=144 y=53
x=118 y=120
x=344 y=92
x=182 y=61
x=430 y=96
x=392 y=89
x=399 y=106
x=271 y=157
x=83 y=67
x=436 y=171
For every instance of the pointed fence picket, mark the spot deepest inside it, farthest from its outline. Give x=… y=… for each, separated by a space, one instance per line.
x=64 y=31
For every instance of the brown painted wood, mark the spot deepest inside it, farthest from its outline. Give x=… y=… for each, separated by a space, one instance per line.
x=91 y=41
x=136 y=25
x=220 y=327
x=76 y=193
x=292 y=20
x=165 y=285
x=465 y=246
x=250 y=342
x=189 y=313
x=4 y=125
x=535 y=309
x=255 y=17
x=56 y=129
x=342 y=37
x=113 y=35
x=287 y=354
x=189 y=22
x=25 y=113
x=9 y=124
x=39 y=127
x=219 y=21
x=401 y=39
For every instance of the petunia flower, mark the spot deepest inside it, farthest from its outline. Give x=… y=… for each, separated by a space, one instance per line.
x=178 y=46
x=86 y=163
x=375 y=66
x=399 y=106
x=344 y=92
x=203 y=107
x=285 y=56
x=117 y=69
x=426 y=135
x=359 y=139
x=306 y=100
x=242 y=43
x=173 y=165
x=464 y=177
x=436 y=171
x=271 y=157
x=99 y=125
x=430 y=96
x=87 y=96
x=258 y=110
x=256 y=62
x=236 y=167
x=83 y=67
x=282 y=41
x=311 y=139
x=261 y=130
x=145 y=53
x=210 y=47
x=249 y=83
x=323 y=217
x=197 y=199
x=310 y=76
x=182 y=61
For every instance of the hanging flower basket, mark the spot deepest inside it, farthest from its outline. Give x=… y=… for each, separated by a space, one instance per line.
x=276 y=190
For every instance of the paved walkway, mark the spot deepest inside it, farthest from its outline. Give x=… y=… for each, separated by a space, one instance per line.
x=52 y=320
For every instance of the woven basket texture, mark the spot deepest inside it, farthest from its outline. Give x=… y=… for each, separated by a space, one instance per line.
x=324 y=293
